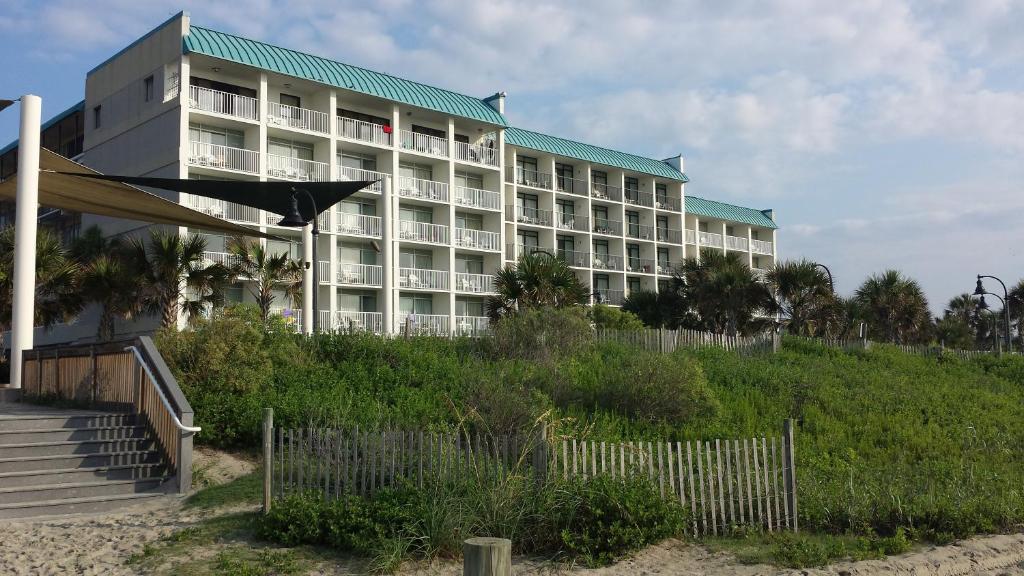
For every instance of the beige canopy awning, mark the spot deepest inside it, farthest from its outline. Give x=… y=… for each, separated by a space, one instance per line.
x=115 y=199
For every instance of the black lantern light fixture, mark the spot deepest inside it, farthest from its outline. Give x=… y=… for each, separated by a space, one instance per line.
x=979 y=290
x=294 y=219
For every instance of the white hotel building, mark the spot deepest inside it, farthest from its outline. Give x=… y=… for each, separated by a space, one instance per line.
x=461 y=192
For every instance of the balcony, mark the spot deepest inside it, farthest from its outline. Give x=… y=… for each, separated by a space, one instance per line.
x=422 y=279
x=222 y=258
x=476 y=153
x=610 y=297
x=298 y=118
x=288 y=168
x=420 y=189
x=360 y=275
x=422 y=232
x=361 y=131
x=477 y=198
x=710 y=239
x=421 y=324
x=531 y=216
x=759 y=273
x=222 y=209
x=477 y=239
x=640 y=231
x=736 y=243
x=761 y=247
x=667 y=203
x=530 y=178
x=640 y=265
x=664 y=268
x=349 y=174
x=358 y=224
x=471 y=325
x=227 y=104
x=607 y=227
x=206 y=155
x=574 y=258
x=571 y=185
x=565 y=221
x=351 y=322
x=605 y=192
x=670 y=235
x=474 y=283
x=424 y=143
x=638 y=198
x=607 y=262
x=691 y=237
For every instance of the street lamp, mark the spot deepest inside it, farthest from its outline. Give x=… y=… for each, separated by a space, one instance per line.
x=294 y=219
x=831 y=285
x=979 y=290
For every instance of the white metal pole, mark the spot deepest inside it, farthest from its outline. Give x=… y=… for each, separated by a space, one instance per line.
x=27 y=210
x=307 y=280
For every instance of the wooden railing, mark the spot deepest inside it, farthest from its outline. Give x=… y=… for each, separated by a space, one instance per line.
x=125 y=375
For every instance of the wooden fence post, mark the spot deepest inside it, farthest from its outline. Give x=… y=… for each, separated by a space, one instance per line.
x=268 y=456
x=487 y=557
x=789 y=470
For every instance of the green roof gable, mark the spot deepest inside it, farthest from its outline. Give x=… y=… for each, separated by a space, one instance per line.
x=723 y=211
x=297 y=64
x=589 y=153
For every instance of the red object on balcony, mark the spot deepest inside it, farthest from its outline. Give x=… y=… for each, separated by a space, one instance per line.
x=387 y=129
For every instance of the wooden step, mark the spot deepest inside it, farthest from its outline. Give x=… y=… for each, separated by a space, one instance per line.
x=62 y=461
x=84 y=505
x=75 y=447
x=67 y=490
x=67 y=434
x=72 y=419
x=67 y=475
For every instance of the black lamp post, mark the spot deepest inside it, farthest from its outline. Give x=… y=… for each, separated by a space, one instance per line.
x=831 y=285
x=979 y=290
x=984 y=307
x=294 y=219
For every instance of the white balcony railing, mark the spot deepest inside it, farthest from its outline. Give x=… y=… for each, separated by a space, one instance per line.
x=606 y=262
x=477 y=198
x=424 y=143
x=639 y=231
x=710 y=239
x=477 y=153
x=364 y=131
x=422 y=232
x=222 y=258
x=423 y=279
x=474 y=283
x=360 y=274
x=691 y=237
x=288 y=168
x=612 y=297
x=736 y=243
x=221 y=209
x=761 y=247
x=567 y=221
x=478 y=239
x=349 y=321
x=669 y=235
x=535 y=216
x=358 y=224
x=298 y=118
x=666 y=203
x=209 y=100
x=349 y=174
x=324 y=272
x=410 y=187
x=223 y=157
x=471 y=325
x=422 y=324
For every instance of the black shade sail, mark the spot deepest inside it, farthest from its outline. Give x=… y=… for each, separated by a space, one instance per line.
x=270 y=196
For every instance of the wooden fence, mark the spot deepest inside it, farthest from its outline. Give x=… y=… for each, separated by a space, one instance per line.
x=723 y=483
x=660 y=340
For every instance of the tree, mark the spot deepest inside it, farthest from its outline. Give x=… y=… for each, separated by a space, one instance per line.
x=724 y=294
x=1016 y=302
x=536 y=280
x=663 y=309
x=612 y=318
x=265 y=271
x=108 y=279
x=894 y=307
x=175 y=276
x=801 y=290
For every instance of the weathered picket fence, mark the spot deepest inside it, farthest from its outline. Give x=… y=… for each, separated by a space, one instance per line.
x=667 y=341
x=723 y=483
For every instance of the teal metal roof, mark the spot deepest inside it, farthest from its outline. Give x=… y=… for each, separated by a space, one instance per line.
x=590 y=153
x=260 y=55
x=723 y=211
x=74 y=108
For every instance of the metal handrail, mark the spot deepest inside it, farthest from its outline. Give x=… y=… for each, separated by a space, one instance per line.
x=160 y=393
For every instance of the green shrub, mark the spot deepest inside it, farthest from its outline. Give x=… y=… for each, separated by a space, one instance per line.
x=612 y=318
x=296 y=519
x=542 y=334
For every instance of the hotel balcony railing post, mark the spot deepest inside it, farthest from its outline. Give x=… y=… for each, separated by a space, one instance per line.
x=364 y=131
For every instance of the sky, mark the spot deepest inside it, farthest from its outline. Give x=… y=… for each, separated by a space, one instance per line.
x=884 y=133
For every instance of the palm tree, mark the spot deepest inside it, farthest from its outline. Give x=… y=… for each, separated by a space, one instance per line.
x=57 y=278
x=536 y=280
x=895 y=307
x=665 y=309
x=175 y=275
x=723 y=293
x=801 y=289
x=109 y=279
x=250 y=261
x=1016 y=303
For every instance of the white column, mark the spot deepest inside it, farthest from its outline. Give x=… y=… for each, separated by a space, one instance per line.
x=387 y=258
x=27 y=210
x=725 y=245
x=750 y=246
x=307 y=280
x=450 y=250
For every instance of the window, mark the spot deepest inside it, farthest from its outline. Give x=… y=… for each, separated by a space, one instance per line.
x=147 y=89
x=290 y=249
x=755 y=235
x=461 y=138
x=469 y=263
x=663 y=259
x=661 y=193
x=469 y=221
x=632 y=285
x=661 y=223
x=97 y=116
x=289 y=149
x=289 y=100
x=469 y=180
x=566 y=246
x=565 y=211
x=349 y=253
x=357 y=207
x=363 y=117
x=526 y=170
x=633 y=253
x=469 y=306
x=599 y=177
x=564 y=174
x=216 y=136
x=421 y=171
x=729 y=231
x=528 y=239
x=756 y=262
x=222 y=87
x=601 y=282
x=600 y=216
x=632 y=189
x=415 y=303
x=527 y=200
x=601 y=250
x=429 y=131
x=357 y=161
x=416 y=214
x=633 y=223
x=234 y=294
x=703 y=226
x=411 y=258
x=357 y=301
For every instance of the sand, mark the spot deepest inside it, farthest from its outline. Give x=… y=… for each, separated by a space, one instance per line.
x=101 y=544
